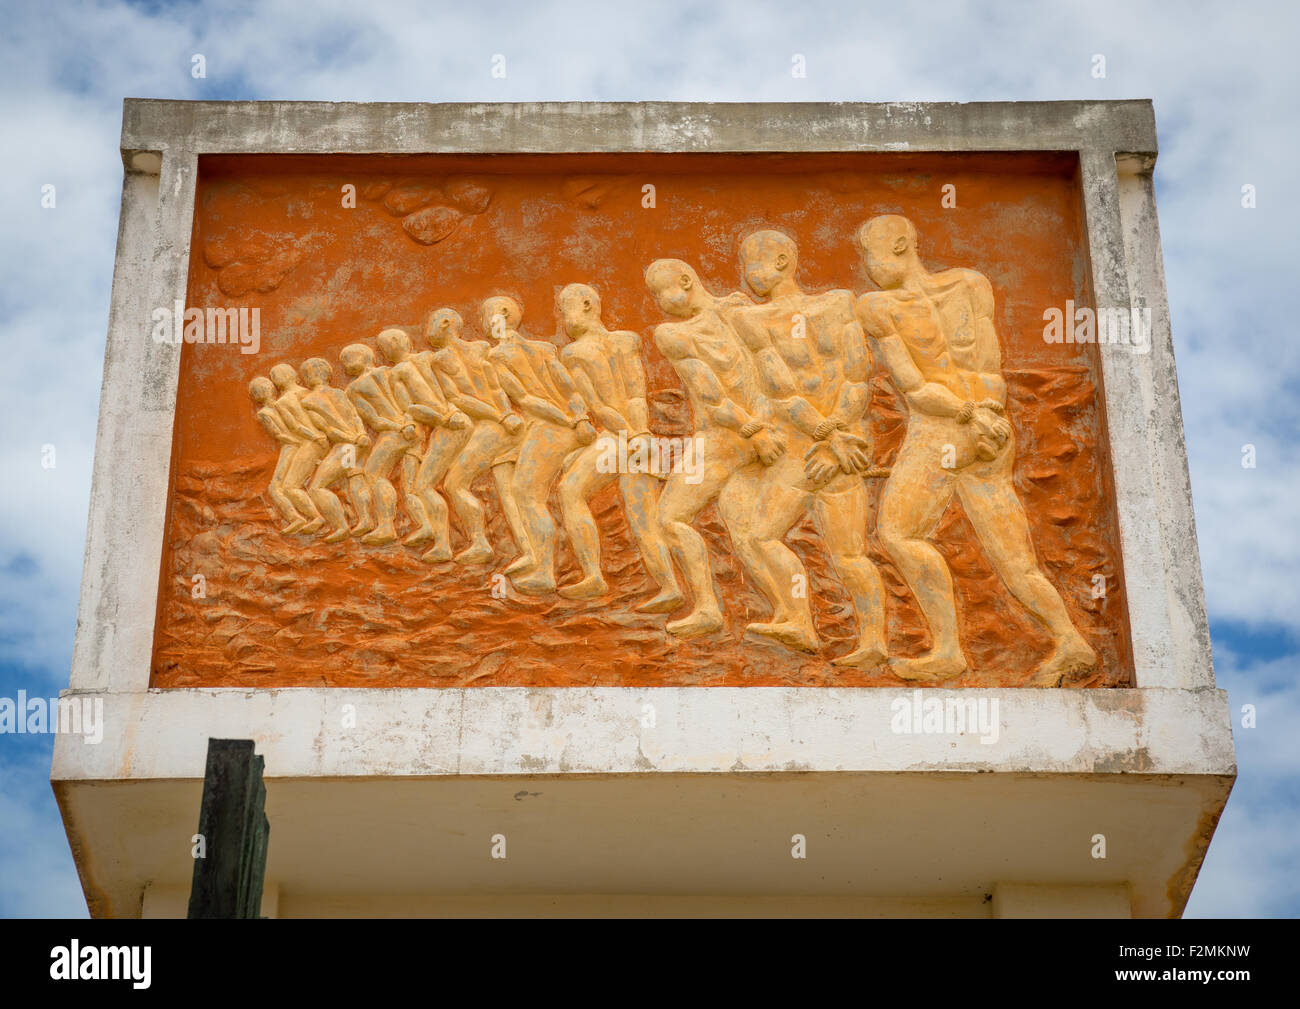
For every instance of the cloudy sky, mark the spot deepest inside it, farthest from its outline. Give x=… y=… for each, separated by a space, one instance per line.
x=1223 y=78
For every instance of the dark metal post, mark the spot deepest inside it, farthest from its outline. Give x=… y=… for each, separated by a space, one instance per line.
x=232 y=822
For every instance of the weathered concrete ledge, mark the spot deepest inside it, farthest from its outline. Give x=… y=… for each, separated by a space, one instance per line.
x=510 y=128
x=339 y=732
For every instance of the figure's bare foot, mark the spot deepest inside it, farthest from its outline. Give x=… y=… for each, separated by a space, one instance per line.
x=363 y=527
x=314 y=526
x=537 y=583
x=932 y=666
x=524 y=562
x=293 y=527
x=1073 y=655
x=706 y=621
x=790 y=634
x=437 y=554
x=338 y=535
x=421 y=535
x=864 y=657
x=380 y=538
x=665 y=602
x=592 y=587
x=478 y=552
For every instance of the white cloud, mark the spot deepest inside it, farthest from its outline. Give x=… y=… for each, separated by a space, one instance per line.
x=1223 y=78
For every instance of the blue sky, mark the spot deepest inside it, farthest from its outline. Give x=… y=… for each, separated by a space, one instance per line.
x=1223 y=78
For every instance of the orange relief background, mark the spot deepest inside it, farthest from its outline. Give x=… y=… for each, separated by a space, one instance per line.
x=271 y=232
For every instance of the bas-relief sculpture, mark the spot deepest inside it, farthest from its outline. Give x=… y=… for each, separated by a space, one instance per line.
x=778 y=385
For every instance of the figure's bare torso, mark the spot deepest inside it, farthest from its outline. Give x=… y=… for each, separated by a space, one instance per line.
x=333 y=406
x=529 y=362
x=940 y=328
x=372 y=388
x=710 y=339
x=815 y=360
x=601 y=356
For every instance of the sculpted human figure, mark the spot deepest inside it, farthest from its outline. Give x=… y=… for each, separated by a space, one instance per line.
x=395 y=434
x=540 y=387
x=470 y=384
x=813 y=366
x=334 y=413
x=734 y=435
x=449 y=430
x=418 y=394
x=935 y=333
x=608 y=375
x=311 y=449
x=262 y=392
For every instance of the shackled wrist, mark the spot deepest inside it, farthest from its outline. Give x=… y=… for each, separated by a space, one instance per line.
x=966 y=412
x=751 y=428
x=826 y=428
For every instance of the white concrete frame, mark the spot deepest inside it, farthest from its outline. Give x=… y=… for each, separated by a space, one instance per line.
x=1172 y=728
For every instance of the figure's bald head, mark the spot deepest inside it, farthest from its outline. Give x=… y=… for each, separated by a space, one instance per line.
x=767 y=258
x=579 y=308
x=675 y=285
x=356 y=358
x=261 y=390
x=283 y=375
x=316 y=371
x=500 y=313
x=443 y=324
x=889 y=248
x=394 y=344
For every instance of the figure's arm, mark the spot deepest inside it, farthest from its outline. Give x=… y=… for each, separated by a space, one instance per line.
x=327 y=422
x=638 y=409
x=273 y=426
x=499 y=397
x=855 y=394
x=358 y=435
x=699 y=379
x=609 y=418
x=773 y=373
x=924 y=397
x=564 y=382
x=986 y=340
x=775 y=380
x=469 y=405
x=369 y=415
x=420 y=401
x=296 y=419
x=476 y=408
x=526 y=401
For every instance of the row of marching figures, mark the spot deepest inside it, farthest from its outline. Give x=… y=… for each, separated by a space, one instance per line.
x=777 y=384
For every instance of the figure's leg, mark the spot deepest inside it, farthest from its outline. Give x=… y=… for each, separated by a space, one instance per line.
x=995 y=511
x=301 y=468
x=384 y=455
x=778 y=505
x=443 y=445
x=292 y=520
x=414 y=502
x=363 y=502
x=360 y=492
x=736 y=506
x=327 y=474
x=504 y=475
x=539 y=463
x=842 y=517
x=474 y=459
x=641 y=509
x=916 y=494
x=582 y=480
x=678 y=505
